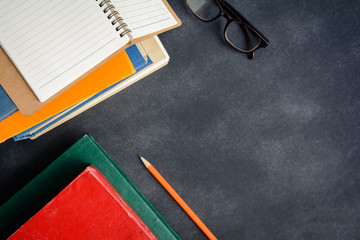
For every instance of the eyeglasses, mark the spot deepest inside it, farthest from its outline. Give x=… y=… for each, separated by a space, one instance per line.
x=238 y=32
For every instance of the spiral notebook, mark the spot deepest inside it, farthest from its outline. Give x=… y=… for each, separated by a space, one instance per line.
x=63 y=41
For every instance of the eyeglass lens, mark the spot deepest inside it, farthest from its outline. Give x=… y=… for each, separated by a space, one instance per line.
x=237 y=35
x=204 y=9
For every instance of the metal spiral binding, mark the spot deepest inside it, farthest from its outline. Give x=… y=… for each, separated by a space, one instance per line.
x=107 y=6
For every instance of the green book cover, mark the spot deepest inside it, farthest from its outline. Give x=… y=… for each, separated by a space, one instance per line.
x=39 y=191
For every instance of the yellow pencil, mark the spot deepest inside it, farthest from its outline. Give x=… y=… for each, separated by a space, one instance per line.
x=178 y=199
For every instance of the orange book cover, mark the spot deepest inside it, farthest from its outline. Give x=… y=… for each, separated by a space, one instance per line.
x=113 y=71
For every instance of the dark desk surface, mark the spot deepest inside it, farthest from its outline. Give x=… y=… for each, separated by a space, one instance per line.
x=261 y=149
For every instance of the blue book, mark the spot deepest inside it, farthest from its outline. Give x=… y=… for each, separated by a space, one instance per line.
x=7 y=107
x=138 y=62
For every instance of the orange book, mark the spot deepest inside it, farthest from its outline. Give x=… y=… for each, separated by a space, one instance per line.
x=113 y=71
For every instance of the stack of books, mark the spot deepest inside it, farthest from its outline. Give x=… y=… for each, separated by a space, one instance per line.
x=83 y=194
x=69 y=58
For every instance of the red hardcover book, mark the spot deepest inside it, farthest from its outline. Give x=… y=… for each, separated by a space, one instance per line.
x=88 y=208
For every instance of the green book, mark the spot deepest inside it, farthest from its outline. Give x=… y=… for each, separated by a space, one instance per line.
x=39 y=191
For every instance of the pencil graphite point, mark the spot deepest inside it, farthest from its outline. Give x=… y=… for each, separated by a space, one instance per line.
x=146 y=163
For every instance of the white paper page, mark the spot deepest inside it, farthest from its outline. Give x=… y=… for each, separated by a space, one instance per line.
x=52 y=43
x=144 y=17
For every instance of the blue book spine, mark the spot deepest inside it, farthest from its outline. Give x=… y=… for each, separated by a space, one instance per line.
x=7 y=107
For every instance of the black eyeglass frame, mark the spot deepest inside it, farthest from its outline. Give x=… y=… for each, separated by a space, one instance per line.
x=232 y=15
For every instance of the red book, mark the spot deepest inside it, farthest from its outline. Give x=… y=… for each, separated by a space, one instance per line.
x=88 y=208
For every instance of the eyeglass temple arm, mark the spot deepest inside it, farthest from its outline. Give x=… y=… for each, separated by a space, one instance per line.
x=248 y=41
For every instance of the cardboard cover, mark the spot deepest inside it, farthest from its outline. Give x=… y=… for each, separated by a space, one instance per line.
x=136 y=40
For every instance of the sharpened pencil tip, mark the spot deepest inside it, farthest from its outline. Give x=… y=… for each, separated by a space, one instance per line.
x=145 y=162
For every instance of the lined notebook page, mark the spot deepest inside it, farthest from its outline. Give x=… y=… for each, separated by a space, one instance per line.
x=52 y=43
x=144 y=17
